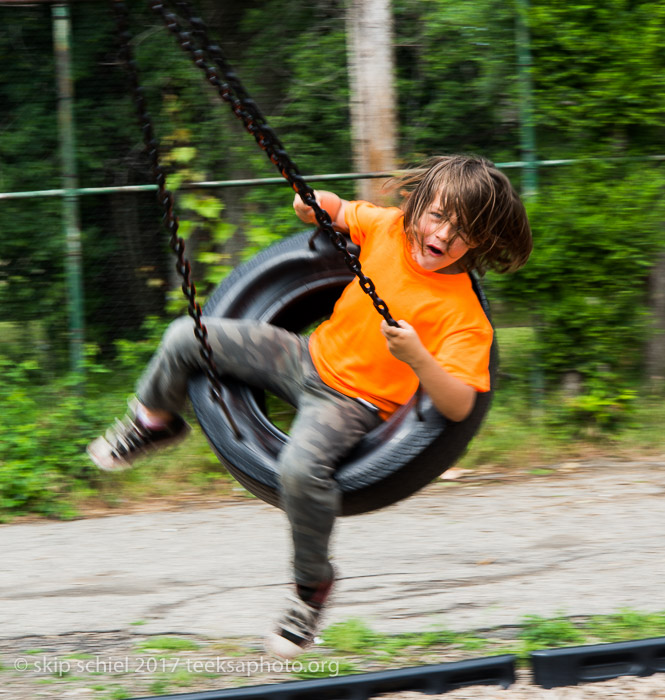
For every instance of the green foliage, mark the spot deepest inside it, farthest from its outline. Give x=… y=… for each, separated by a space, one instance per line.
x=353 y=636
x=604 y=405
x=580 y=305
x=119 y=694
x=456 y=77
x=540 y=633
x=42 y=445
x=626 y=625
x=544 y=633
x=597 y=231
x=132 y=356
x=350 y=636
x=301 y=82
x=599 y=74
x=168 y=644
x=158 y=687
x=49 y=420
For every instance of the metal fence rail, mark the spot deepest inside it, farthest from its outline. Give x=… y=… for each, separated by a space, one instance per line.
x=69 y=212
x=330 y=177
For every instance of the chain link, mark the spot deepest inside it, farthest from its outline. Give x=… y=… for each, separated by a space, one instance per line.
x=210 y=59
x=165 y=197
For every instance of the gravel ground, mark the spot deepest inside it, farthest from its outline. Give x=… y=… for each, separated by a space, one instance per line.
x=479 y=553
x=119 y=665
x=648 y=688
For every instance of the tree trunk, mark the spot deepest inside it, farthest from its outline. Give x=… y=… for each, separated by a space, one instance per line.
x=371 y=82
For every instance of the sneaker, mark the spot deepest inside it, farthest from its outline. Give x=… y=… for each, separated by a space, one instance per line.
x=129 y=439
x=297 y=627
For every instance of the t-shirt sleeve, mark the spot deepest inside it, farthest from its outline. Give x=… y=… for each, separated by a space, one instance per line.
x=363 y=218
x=466 y=354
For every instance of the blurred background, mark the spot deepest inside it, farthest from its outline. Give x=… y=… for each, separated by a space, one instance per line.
x=568 y=98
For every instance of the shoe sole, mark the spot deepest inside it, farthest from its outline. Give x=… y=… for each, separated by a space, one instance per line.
x=277 y=645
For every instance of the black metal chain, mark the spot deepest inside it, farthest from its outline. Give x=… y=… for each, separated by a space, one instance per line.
x=165 y=197
x=204 y=53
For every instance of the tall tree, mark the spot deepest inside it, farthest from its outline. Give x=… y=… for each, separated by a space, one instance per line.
x=369 y=37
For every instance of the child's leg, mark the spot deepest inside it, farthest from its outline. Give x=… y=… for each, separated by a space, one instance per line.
x=258 y=353
x=327 y=426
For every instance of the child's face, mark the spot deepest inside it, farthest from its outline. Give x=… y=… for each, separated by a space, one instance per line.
x=431 y=249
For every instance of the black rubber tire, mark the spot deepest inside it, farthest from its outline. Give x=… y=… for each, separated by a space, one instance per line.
x=293 y=286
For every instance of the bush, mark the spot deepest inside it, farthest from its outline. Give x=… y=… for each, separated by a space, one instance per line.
x=42 y=443
x=597 y=232
x=48 y=422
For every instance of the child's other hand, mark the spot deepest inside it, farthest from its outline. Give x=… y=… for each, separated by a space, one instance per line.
x=330 y=202
x=403 y=342
x=303 y=212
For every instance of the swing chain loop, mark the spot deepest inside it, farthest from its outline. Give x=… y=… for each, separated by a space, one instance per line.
x=231 y=91
x=166 y=199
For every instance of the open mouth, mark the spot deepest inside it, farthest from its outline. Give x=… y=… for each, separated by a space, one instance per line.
x=434 y=250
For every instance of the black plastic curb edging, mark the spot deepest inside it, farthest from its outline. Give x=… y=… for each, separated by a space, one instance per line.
x=436 y=678
x=553 y=668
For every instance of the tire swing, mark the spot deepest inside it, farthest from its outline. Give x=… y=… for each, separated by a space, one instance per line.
x=292 y=284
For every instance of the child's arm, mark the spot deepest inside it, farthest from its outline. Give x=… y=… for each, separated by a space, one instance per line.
x=451 y=396
x=329 y=201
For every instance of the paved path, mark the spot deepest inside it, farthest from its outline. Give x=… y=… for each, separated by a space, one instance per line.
x=462 y=555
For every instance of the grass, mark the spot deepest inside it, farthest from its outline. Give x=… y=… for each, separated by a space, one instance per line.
x=159 y=687
x=360 y=647
x=545 y=633
x=518 y=435
x=625 y=625
x=119 y=694
x=190 y=471
x=347 y=647
x=168 y=644
x=81 y=656
x=354 y=637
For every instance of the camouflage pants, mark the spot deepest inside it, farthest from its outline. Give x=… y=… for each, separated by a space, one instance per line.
x=327 y=425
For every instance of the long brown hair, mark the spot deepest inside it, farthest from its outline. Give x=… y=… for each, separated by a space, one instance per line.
x=480 y=200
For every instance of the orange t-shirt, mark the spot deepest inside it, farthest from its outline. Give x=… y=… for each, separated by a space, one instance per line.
x=349 y=351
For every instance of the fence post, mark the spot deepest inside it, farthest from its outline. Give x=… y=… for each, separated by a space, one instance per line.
x=70 y=201
x=527 y=128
